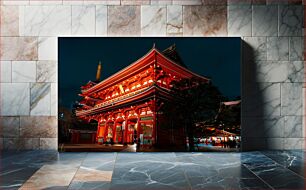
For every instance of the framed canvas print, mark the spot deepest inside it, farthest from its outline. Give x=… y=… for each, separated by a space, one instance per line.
x=151 y=94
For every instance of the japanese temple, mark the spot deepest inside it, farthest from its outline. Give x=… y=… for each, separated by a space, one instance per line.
x=127 y=105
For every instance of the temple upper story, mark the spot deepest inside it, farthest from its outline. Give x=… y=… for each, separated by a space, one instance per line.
x=155 y=71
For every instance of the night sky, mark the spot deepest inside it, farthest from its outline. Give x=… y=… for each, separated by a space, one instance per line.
x=216 y=58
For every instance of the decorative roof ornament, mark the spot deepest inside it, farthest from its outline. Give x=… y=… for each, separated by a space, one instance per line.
x=98 y=75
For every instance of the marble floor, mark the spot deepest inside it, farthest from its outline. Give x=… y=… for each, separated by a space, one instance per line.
x=247 y=170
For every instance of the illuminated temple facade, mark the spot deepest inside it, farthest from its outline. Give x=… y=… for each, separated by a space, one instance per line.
x=127 y=105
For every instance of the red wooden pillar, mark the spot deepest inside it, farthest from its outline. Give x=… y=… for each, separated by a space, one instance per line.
x=154 y=135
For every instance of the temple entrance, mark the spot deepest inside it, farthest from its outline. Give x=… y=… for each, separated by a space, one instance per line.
x=132 y=132
x=119 y=133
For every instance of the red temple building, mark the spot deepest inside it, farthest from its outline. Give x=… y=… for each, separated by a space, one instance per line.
x=127 y=105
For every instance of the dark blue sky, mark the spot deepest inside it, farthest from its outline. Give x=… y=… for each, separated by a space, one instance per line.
x=217 y=58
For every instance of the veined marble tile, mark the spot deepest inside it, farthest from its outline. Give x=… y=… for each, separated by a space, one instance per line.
x=47 y=20
x=9 y=127
x=46 y=71
x=48 y=143
x=6 y=71
x=73 y=2
x=161 y=2
x=239 y=20
x=296 y=45
x=101 y=20
x=28 y=143
x=10 y=143
x=276 y=71
x=257 y=48
x=23 y=71
x=214 y=2
x=278 y=48
x=38 y=126
x=205 y=20
x=46 y=2
x=47 y=48
x=9 y=21
x=292 y=99
x=275 y=143
x=290 y=20
x=135 y=2
x=239 y=2
x=50 y=176
x=126 y=21
x=102 y=2
x=40 y=99
x=265 y=20
x=18 y=48
x=153 y=20
x=294 y=127
x=189 y=2
x=295 y=71
x=54 y=99
x=174 y=20
x=258 y=127
x=261 y=99
x=15 y=2
x=83 y=20
x=294 y=143
x=15 y=99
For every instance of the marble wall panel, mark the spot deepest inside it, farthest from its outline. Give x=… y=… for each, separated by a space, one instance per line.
x=275 y=71
x=126 y=21
x=153 y=20
x=175 y=20
x=278 y=48
x=184 y=2
x=15 y=99
x=38 y=126
x=23 y=71
x=18 y=48
x=102 y=2
x=262 y=99
x=258 y=46
x=6 y=71
x=161 y=2
x=46 y=71
x=292 y=98
x=83 y=20
x=293 y=127
x=47 y=48
x=47 y=20
x=296 y=48
x=293 y=143
x=15 y=2
x=54 y=99
x=205 y=20
x=239 y=20
x=135 y=2
x=46 y=2
x=9 y=20
x=265 y=19
x=9 y=127
x=290 y=20
x=275 y=143
x=21 y=143
x=40 y=101
x=101 y=20
x=48 y=143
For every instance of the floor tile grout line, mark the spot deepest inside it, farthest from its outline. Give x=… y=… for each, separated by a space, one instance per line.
x=284 y=166
x=258 y=176
x=115 y=161
x=184 y=173
x=77 y=169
